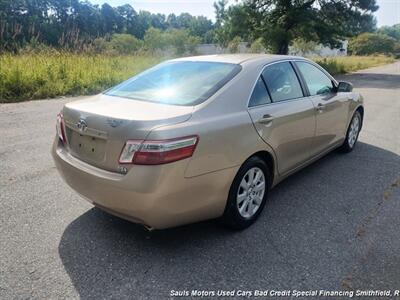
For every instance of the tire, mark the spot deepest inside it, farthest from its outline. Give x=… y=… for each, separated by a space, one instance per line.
x=352 y=133
x=245 y=205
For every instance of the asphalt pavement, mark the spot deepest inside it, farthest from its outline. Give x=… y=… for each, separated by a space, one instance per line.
x=335 y=225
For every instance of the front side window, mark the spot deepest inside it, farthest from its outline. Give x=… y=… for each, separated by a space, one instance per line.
x=282 y=82
x=260 y=94
x=317 y=82
x=177 y=83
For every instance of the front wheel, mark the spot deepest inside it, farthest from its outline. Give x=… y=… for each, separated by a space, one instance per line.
x=247 y=195
x=352 y=133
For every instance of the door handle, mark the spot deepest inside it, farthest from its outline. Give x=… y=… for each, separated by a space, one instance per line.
x=266 y=119
x=320 y=107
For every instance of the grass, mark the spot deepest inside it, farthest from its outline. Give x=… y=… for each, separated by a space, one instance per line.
x=346 y=64
x=48 y=75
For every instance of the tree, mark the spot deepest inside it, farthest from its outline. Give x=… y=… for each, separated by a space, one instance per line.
x=371 y=43
x=302 y=47
x=392 y=31
x=191 y=44
x=279 y=22
x=125 y=43
x=143 y=23
x=220 y=12
x=75 y=24
x=128 y=17
x=154 y=39
x=109 y=18
x=177 y=39
x=257 y=46
x=221 y=32
x=199 y=26
x=234 y=44
x=238 y=22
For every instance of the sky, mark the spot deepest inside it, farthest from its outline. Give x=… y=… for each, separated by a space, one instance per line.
x=388 y=13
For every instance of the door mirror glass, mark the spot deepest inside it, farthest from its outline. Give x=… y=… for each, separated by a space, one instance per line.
x=344 y=87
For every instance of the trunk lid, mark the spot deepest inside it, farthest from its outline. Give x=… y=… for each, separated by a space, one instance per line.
x=98 y=127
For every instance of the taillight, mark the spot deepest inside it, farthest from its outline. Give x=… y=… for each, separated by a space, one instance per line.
x=158 y=152
x=60 y=126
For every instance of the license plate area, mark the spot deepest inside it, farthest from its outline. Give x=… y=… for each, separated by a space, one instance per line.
x=87 y=147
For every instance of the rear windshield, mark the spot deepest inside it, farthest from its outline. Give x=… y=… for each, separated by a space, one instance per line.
x=177 y=83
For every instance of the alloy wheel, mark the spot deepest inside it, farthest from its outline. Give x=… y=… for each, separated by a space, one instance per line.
x=250 y=193
x=353 y=132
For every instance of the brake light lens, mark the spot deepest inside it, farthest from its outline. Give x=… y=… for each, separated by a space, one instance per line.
x=60 y=127
x=158 y=152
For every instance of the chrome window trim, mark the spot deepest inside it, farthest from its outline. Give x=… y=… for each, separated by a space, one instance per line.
x=279 y=102
x=289 y=100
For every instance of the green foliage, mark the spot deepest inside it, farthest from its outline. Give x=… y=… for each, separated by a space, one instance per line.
x=115 y=45
x=179 y=40
x=279 y=22
x=234 y=21
x=257 y=46
x=52 y=74
x=345 y=64
x=125 y=43
x=372 y=43
x=392 y=31
x=220 y=12
x=155 y=39
x=222 y=36
x=100 y=45
x=75 y=24
x=199 y=26
x=234 y=44
x=302 y=46
x=191 y=44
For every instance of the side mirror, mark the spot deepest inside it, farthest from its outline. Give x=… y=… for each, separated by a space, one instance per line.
x=344 y=87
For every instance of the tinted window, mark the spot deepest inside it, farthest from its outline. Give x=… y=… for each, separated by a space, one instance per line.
x=316 y=80
x=282 y=82
x=178 y=83
x=260 y=95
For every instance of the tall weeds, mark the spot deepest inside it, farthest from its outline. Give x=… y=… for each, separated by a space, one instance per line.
x=346 y=64
x=50 y=74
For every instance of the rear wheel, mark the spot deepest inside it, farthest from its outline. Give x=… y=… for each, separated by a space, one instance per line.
x=248 y=194
x=352 y=133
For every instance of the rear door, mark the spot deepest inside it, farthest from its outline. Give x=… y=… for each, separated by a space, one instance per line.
x=331 y=108
x=282 y=115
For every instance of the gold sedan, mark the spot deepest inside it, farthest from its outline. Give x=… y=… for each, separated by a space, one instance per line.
x=203 y=137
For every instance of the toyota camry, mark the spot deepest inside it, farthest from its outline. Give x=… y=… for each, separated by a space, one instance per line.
x=203 y=137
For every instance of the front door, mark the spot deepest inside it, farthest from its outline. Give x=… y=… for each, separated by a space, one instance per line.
x=282 y=116
x=331 y=108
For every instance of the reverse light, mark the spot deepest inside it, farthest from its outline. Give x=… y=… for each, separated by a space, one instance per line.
x=158 y=152
x=128 y=152
x=60 y=127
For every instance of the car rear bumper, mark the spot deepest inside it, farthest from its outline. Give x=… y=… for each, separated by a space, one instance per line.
x=155 y=196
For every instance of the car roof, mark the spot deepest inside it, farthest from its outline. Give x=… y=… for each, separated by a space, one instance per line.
x=238 y=58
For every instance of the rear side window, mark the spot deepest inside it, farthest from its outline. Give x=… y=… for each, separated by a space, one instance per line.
x=178 y=82
x=282 y=82
x=317 y=82
x=260 y=94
